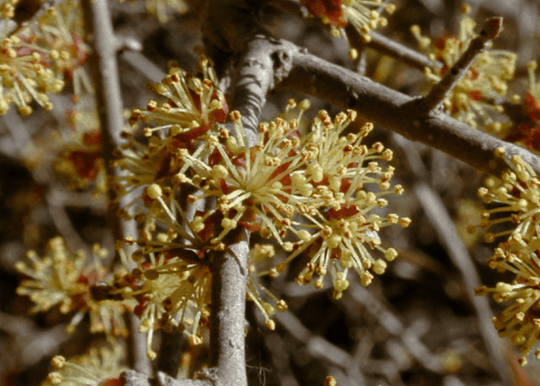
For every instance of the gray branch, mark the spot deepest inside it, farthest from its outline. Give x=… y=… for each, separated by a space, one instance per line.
x=400 y=113
x=100 y=37
x=227 y=332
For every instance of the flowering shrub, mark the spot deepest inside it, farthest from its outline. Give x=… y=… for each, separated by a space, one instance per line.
x=199 y=193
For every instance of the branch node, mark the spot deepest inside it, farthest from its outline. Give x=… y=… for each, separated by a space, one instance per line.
x=283 y=62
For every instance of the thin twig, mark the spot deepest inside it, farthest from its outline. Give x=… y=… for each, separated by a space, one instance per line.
x=490 y=30
x=100 y=37
x=390 y=48
x=394 y=326
x=316 y=345
x=133 y=378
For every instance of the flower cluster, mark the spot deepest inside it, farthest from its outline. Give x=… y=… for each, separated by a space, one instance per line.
x=312 y=188
x=519 y=196
x=24 y=76
x=63 y=279
x=363 y=15
x=191 y=107
x=61 y=32
x=473 y=98
x=168 y=285
x=197 y=179
x=97 y=368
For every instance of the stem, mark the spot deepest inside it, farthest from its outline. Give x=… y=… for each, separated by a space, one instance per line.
x=491 y=29
x=391 y=48
x=265 y=61
x=100 y=37
x=227 y=333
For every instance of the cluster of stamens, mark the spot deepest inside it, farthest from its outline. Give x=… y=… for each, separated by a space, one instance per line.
x=519 y=196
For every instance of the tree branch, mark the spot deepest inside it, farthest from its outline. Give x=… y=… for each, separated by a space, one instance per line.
x=400 y=113
x=227 y=332
x=377 y=42
x=265 y=62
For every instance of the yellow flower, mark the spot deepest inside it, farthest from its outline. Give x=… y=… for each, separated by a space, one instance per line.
x=191 y=109
x=63 y=279
x=168 y=285
x=61 y=31
x=519 y=194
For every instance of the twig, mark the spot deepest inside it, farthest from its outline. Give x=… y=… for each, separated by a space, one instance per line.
x=391 y=48
x=100 y=37
x=136 y=343
x=490 y=30
x=317 y=346
x=144 y=65
x=34 y=344
x=444 y=227
x=232 y=26
x=401 y=52
x=102 y=40
x=377 y=42
x=394 y=326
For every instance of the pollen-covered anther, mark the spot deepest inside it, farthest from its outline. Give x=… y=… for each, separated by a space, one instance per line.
x=154 y=191
x=390 y=254
x=380 y=267
x=282 y=306
x=58 y=361
x=270 y=324
x=229 y=223
x=405 y=222
x=235 y=116
x=378 y=147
